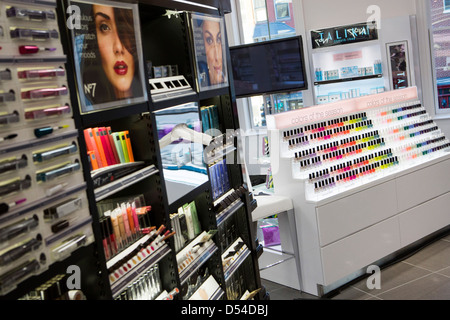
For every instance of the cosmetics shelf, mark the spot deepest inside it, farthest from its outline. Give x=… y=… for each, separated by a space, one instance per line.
x=111 y=262
x=233 y=258
x=194 y=255
x=102 y=116
x=162 y=42
x=105 y=175
x=349 y=79
x=124 y=182
x=229 y=211
x=118 y=285
x=209 y=290
x=199 y=261
x=164 y=104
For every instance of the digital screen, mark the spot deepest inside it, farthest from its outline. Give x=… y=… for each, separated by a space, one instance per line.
x=268 y=67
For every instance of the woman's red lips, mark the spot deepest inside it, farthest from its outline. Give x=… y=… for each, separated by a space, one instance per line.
x=121 y=68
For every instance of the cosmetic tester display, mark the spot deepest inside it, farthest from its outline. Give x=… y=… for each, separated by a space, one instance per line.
x=44 y=210
x=365 y=175
x=111 y=158
x=347 y=62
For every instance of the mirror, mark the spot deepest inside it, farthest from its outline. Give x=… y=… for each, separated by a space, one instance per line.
x=181 y=145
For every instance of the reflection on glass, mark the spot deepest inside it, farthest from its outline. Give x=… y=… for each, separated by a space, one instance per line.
x=263 y=20
x=273 y=104
x=440 y=22
x=181 y=143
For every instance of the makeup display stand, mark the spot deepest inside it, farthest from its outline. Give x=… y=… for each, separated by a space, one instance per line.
x=45 y=223
x=368 y=178
x=221 y=261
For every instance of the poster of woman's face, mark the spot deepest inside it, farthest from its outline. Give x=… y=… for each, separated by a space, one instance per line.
x=107 y=53
x=210 y=55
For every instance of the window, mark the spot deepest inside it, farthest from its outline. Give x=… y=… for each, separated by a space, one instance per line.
x=260 y=11
x=277 y=23
x=440 y=27
x=282 y=9
x=446 y=6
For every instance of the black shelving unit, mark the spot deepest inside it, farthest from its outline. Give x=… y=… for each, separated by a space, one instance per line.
x=230 y=217
x=349 y=79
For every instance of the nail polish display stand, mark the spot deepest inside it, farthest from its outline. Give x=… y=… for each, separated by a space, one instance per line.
x=369 y=180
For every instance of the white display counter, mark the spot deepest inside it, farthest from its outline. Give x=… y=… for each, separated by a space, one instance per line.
x=357 y=216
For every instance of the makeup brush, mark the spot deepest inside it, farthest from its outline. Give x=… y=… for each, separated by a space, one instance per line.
x=4 y=207
x=8 y=137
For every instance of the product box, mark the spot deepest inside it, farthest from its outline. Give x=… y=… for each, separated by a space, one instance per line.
x=334 y=96
x=349 y=72
x=322 y=99
x=271 y=236
x=369 y=71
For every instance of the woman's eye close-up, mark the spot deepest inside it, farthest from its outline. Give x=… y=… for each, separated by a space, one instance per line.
x=104 y=27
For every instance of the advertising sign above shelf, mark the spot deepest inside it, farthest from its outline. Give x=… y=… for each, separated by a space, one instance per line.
x=344 y=35
x=108 y=55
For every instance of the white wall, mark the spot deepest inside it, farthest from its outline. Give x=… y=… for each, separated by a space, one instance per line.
x=332 y=13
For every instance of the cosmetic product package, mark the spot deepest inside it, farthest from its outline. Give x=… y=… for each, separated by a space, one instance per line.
x=190 y=211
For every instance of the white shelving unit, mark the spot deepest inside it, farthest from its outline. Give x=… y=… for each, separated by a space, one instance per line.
x=343 y=230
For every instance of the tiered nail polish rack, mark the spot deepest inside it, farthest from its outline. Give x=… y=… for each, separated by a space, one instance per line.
x=346 y=152
x=368 y=177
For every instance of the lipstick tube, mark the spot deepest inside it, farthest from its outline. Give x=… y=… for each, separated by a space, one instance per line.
x=18 y=228
x=9 y=118
x=19 y=251
x=126 y=223
x=33 y=114
x=130 y=220
x=31 y=49
x=116 y=231
x=15 y=164
x=5 y=75
x=30 y=14
x=16 y=185
x=44 y=93
x=45 y=73
x=34 y=34
x=48 y=155
x=112 y=237
x=62 y=209
x=106 y=246
x=10 y=278
x=53 y=174
x=7 y=96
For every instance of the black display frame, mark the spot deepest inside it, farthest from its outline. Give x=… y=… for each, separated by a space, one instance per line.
x=305 y=87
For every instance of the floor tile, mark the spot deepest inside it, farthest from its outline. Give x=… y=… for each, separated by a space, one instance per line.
x=431 y=287
x=423 y=276
x=270 y=286
x=279 y=292
x=352 y=293
x=434 y=257
x=393 y=276
x=445 y=272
